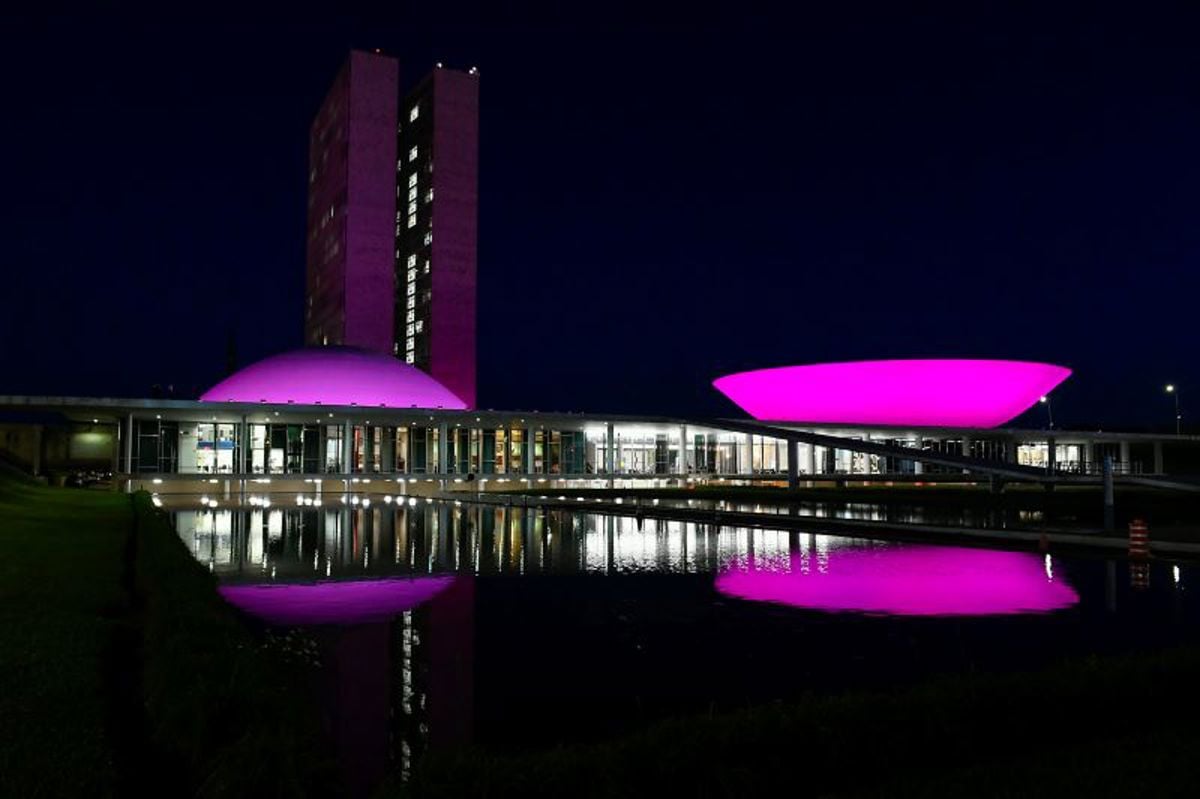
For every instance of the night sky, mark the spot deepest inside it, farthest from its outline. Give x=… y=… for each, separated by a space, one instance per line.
x=663 y=198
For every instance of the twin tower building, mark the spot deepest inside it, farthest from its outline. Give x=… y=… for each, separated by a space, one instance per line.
x=392 y=218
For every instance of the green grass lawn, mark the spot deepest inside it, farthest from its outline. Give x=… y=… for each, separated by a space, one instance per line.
x=61 y=601
x=123 y=672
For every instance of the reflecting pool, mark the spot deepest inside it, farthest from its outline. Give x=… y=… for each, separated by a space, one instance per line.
x=904 y=581
x=439 y=623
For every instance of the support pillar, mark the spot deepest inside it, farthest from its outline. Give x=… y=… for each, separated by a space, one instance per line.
x=1158 y=458
x=368 y=448
x=37 y=450
x=610 y=450
x=1109 y=512
x=918 y=467
x=443 y=448
x=683 y=448
x=387 y=450
x=749 y=468
x=1051 y=456
x=527 y=452
x=116 y=451
x=1126 y=467
x=347 y=447
x=966 y=450
x=793 y=465
x=244 y=445
x=129 y=445
x=812 y=458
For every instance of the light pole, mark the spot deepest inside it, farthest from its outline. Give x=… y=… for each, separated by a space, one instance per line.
x=1045 y=400
x=1174 y=392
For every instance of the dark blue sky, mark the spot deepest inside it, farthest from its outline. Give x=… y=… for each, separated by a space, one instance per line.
x=664 y=197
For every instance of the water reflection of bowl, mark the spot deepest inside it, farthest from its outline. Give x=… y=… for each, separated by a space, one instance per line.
x=905 y=581
x=345 y=602
x=920 y=393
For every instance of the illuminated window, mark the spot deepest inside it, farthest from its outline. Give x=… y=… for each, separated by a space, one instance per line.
x=412 y=207
x=412 y=180
x=412 y=275
x=412 y=261
x=428 y=237
x=429 y=196
x=409 y=358
x=410 y=344
x=411 y=302
x=420 y=326
x=410 y=316
x=412 y=194
x=398 y=215
x=427 y=266
x=412 y=289
x=412 y=221
x=412 y=153
x=414 y=113
x=410 y=330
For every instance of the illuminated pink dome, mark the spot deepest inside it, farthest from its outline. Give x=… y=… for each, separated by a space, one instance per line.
x=919 y=393
x=334 y=376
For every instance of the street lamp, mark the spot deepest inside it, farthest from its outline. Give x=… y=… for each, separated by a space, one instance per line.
x=1045 y=400
x=1174 y=392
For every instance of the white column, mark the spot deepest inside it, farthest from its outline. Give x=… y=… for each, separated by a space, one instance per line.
x=683 y=448
x=610 y=453
x=443 y=432
x=347 y=446
x=129 y=445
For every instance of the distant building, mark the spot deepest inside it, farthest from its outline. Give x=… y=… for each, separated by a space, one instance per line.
x=392 y=218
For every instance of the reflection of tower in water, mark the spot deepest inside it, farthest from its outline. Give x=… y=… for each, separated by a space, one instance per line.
x=433 y=679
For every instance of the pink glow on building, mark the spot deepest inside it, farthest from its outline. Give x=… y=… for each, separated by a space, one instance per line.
x=334 y=376
x=921 y=393
x=349 y=602
x=455 y=221
x=905 y=581
x=352 y=206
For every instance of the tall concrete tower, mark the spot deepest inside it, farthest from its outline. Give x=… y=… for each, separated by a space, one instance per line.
x=393 y=218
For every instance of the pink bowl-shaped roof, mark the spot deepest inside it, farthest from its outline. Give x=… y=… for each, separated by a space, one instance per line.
x=334 y=376
x=920 y=393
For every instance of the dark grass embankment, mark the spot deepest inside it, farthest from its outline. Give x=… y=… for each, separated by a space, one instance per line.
x=123 y=672
x=1096 y=727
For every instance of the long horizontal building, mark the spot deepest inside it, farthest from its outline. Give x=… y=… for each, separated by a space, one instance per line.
x=304 y=416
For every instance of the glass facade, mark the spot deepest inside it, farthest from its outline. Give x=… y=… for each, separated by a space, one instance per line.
x=512 y=447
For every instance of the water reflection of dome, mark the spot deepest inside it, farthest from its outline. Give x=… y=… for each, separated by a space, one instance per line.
x=905 y=581
x=945 y=392
x=346 y=602
x=334 y=376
